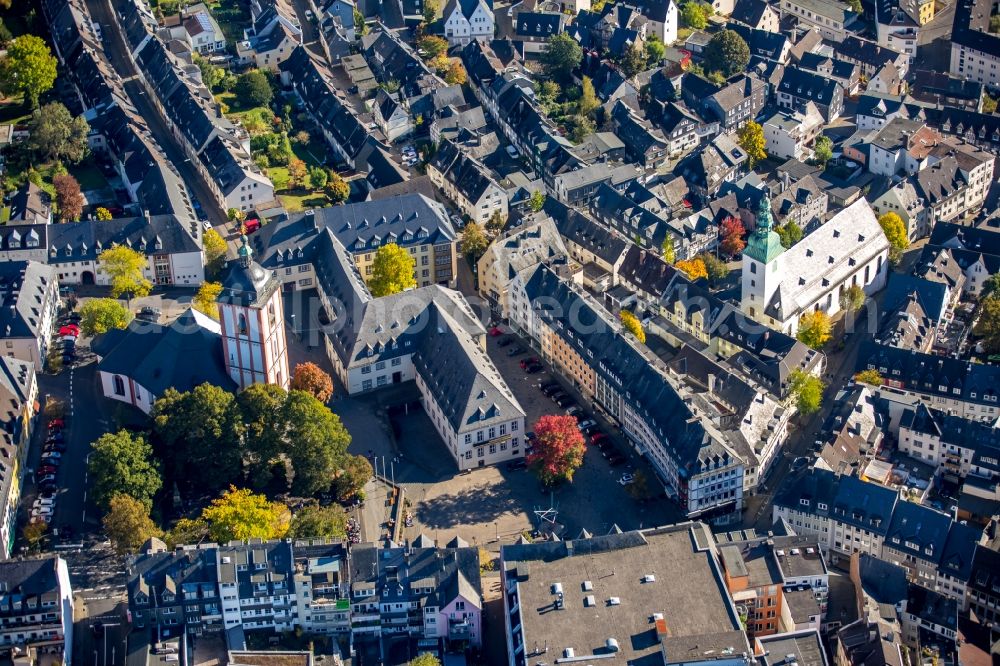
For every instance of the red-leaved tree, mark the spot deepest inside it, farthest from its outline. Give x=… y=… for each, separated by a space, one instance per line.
x=310 y=378
x=558 y=448
x=732 y=232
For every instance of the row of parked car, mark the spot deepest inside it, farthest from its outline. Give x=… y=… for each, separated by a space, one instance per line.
x=587 y=425
x=69 y=331
x=52 y=453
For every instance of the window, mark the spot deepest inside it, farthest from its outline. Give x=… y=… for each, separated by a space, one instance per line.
x=119 y=385
x=242 y=324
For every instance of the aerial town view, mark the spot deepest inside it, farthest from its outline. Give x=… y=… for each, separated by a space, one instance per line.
x=499 y=333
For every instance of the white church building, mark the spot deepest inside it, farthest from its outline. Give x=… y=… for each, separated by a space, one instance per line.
x=781 y=284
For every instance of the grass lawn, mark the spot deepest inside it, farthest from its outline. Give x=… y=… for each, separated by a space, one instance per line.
x=13 y=111
x=4 y=214
x=278 y=176
x=298 y=199
x=89 y=176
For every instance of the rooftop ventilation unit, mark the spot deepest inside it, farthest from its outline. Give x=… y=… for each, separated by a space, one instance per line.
x=614 y=601
x=649 y=578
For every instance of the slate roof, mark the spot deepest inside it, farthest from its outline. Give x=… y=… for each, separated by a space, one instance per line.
x=409 y=570
x=762 y=43
x=83 y=241
x=181 y=355
x=24 y=286
x=931 y=294
x=575 y=227
x=847 y=499
x=466 y=174
x=749 y=12
x=805 y=84
x=32 y=581
x=30 y=205
x=957 y=236
x=970 y=27
x=539 y=25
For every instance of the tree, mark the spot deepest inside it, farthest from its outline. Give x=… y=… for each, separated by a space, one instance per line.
x=215 y=251
x=393 y=271
x=187 y=531
x=431 y=8
x=262 y=412
x=126 y=269
x=360 y=27
x=655 y=50
x=337 y=188
x=895 y=232
x=432 y=46
x=855 y=6
x=588 y=102
x=253 y=89
x=318 y=177
x=128 y=525
x=350 y=480
x=989 y=102
x=204 y=299
x=807 y=391
x=103 y=214
x=211 y=75
x=990 y=287
x=69 y=198
x=34 y=533
x=790 y=233
x=316 y=443
x=455 y=75
x=310 y=378
x=695 y=14
x=987 y=324
x=852 y=299
x=100 y=315
x=727 y=53
x=823 y=150
x=473 y=241
x=632 y=61
x=314 y=520
x=297 y=173
x=426 y=659
x=632 y=324
x=123 y=464
x=28 y=68
x=716 y=268
x=693 y=268
x=536 y=202
x=236 y=215
x=56 y=134
x=561 y=57
x=582 y=127
x=198 y=435
x=732 y=232
x=496 y=223
x=814 y=329
x=668 y=249
x=870 y=376
x=558 y=449
x=240 y=514
x=751 y=139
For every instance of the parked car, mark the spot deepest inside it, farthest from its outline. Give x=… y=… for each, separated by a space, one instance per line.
x=627 y=478
x=531 y=360
x=148 y=313
x=41 y=517
x=48 y=469
x=48 y=455
x=575 y=410
x=534 y=368
x=565 y=401
x=586 y=424
x=496 y=331
x=549 y=387
x=516 y=350
x=54 y=446
x=44 y=501
x=597 y=436
x=54 y=436
x=505 y=340
x=515 y=465
x=56 y=423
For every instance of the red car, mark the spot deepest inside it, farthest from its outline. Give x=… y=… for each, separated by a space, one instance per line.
x=525 y=362
x=598 y=437
x=55 y=423
x=69 y=329
x=495 y=331
x=47 y=469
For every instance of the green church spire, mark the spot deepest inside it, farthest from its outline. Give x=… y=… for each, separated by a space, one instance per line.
x=764 y=245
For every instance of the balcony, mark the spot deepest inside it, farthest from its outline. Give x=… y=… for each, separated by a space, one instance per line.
x=459 y=630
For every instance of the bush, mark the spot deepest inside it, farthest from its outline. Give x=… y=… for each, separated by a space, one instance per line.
x=253 y=89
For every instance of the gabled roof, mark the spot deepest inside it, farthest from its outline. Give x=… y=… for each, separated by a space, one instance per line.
x=25 y=291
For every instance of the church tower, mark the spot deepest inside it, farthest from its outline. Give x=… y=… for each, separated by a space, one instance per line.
x=253 y=322
x=762 y=270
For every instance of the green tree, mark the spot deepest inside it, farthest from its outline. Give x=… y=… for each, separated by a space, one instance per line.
x=588 y=102
x=102 y=214
x=852 y=299
x=716 y=268
x=807 y=391
x=823 y=150
x=727 y=53
x=314 y=520
x=236 y=215
x=243 y=515
x=128 y=525
x=431 y=9
x=204 y=299
x=561 y=57
x=198 y=434
x=668 y=249
x=536 y=202
x=253 y=89
x=360 y=27
x=318 y=177
x=695 y=14
x=455 y=74
x=582 y=127
x=990 y=287
x=28 y=68
x=655 y=51
x=987 y=324
x=215 y=252
x=187 y=531
x=632 y=324
x=496 y=223
x=317 y=443
x=790 y=233
x=632 y=61
x=123 y=464
x=990 y=102
x=100 y=315
x=751 y=139
x=814 y=329
x=871 y=376
x=337 y=188
x=351 y=478
x=473 y=241
x=895 y=232
x=432 y=46
x=126 y=269
x=262 y=412
x=58 y=135
x=310 y=378
x=393 y=271
x=855 y=6
x=211 y=75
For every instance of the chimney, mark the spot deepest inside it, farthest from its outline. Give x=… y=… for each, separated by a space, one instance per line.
x=145 y=214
